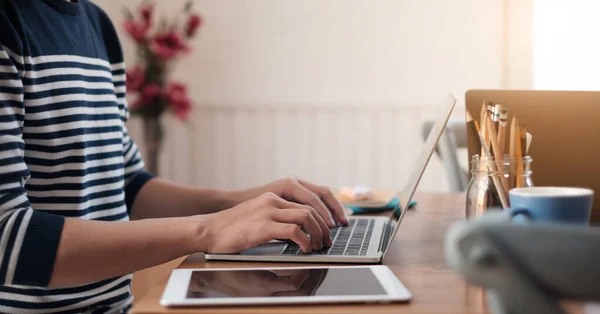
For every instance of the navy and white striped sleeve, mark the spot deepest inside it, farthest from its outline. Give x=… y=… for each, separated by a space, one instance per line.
x=28 y=239
x=135 y=176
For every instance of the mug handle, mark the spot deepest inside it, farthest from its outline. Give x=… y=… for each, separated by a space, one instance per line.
x=519 y=212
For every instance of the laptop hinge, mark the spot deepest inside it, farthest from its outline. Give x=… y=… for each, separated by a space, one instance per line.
x=385 y=240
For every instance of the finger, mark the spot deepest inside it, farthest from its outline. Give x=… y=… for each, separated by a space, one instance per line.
x=291 y=232
x=302 y=217
x=313 y=281
x=330 y=201
x=326 y=232
x=303 y=195
x=281 y=203
x=285 y=283
x=299 y=277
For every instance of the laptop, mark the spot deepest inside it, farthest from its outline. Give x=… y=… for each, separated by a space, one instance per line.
x=366 y=239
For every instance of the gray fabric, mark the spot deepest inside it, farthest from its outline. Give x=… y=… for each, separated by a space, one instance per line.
x=526 y=267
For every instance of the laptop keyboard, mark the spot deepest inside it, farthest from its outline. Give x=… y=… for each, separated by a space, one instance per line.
x=353 y=240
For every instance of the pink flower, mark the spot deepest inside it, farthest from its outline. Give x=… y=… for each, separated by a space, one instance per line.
x=178 y=100
x=148 y=93
x=138 y=103
x=146 y=12
x=135 y=78
x=151 y=91
x=192 y=25
x=137 y=30
x=169 y=45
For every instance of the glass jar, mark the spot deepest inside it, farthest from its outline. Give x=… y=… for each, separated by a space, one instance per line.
x=492 y=179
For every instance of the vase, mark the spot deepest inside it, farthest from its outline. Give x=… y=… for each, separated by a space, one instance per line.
x=153 y=136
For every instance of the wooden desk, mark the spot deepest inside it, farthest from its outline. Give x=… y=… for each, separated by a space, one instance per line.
x=416 y=257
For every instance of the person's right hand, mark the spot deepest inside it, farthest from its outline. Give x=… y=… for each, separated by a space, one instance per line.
x=263 y=219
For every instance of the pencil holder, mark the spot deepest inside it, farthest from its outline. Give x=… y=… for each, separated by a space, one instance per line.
x=491 y=180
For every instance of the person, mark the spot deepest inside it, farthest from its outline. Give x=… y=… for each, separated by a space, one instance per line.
x=78 y=212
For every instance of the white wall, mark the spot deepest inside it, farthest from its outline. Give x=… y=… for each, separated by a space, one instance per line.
x=566 y=48
x=519 y=30
x=315 y=53
x=338 y=52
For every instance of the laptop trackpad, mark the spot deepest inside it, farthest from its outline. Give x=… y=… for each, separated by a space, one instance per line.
x=271 y=248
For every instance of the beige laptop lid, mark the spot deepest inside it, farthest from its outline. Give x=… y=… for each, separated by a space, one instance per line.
x=566 y=134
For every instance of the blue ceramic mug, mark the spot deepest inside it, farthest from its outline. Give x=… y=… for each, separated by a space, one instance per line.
x=551 y=204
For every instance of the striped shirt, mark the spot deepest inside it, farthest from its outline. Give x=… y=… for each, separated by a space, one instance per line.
x=64 y=148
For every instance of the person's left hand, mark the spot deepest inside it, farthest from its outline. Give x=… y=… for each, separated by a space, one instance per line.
x=318 y=197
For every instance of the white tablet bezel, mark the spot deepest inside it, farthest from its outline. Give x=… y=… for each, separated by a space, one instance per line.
x=177 y=286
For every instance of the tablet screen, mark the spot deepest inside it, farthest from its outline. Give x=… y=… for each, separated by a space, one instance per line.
x=283 y=283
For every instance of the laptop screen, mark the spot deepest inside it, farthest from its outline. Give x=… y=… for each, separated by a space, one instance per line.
x=418 y=169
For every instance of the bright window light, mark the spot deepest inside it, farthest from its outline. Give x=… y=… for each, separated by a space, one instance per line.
x=566 y=47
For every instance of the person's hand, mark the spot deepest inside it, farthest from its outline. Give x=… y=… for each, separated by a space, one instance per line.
x=261 y=220
x=258 y=283
x=318 y=197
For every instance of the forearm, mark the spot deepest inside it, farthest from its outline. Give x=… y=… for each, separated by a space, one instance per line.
x=94 y=250
x=160 y=198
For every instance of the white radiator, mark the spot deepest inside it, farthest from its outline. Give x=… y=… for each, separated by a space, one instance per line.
x=236 y=147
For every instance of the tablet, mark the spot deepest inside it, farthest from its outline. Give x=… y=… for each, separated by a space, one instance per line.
x=283 y=285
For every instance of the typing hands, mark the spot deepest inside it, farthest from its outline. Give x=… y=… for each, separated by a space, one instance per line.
x=318 y=197
x=262 y=219
x=286 y=209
